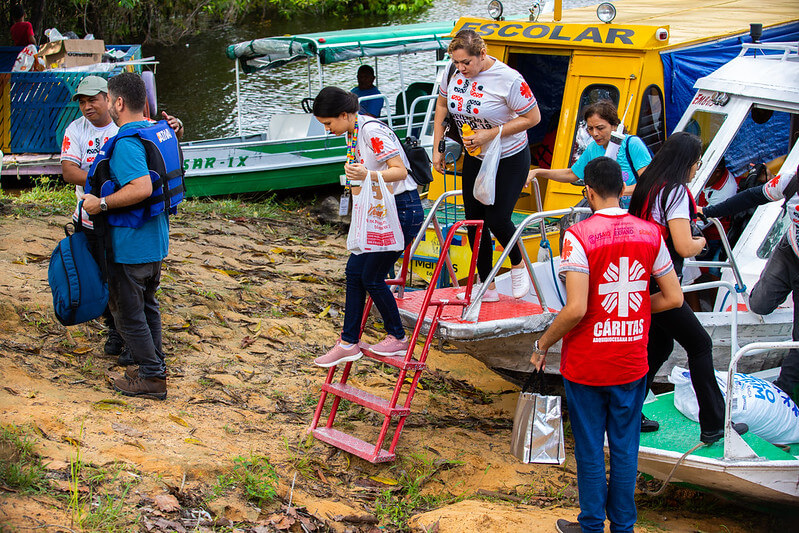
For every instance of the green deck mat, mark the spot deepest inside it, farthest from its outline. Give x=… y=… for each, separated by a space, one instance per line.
x=679 y=434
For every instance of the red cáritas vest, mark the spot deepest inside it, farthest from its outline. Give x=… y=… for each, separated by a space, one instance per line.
x=608 y=346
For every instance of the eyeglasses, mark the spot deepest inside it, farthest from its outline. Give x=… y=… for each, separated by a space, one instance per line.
x=585 y=192
x=698 y=164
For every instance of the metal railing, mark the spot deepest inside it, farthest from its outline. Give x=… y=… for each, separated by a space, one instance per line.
x=472 y=312
x=735 y=448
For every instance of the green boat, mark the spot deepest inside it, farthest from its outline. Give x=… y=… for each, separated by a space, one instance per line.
x=296 y=151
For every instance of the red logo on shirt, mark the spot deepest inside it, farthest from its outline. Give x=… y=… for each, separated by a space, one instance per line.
x=567 y=250
x=377 y=145
x=525 y=90
x=459 y=81
x=65 y=145
x=773 y=183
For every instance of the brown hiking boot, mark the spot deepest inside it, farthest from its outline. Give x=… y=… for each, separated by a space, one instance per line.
x=148 y=387
x=132 y=372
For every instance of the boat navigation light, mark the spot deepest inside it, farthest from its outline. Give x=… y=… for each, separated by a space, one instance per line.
x=535 y=10
x=755 y=32
x=606 y=12
x=495 y=10
x=662 y=34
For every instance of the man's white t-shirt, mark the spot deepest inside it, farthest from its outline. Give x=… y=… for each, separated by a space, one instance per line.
x=492 y=98
x=775 y=190
x=81 y=144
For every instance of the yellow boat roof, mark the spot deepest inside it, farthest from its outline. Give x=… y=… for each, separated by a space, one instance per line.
x=692 y=20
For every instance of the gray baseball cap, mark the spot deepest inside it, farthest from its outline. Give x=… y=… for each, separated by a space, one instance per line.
x=91 y=85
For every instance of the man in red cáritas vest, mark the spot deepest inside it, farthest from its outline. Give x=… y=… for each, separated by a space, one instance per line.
x=608 y=261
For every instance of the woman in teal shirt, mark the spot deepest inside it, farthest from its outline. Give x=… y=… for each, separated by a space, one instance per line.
x=601 y=119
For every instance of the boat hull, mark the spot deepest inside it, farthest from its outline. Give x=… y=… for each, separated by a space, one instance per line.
x=770 y=481
x=504 y=343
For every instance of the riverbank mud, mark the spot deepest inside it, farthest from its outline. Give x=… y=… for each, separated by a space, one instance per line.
x=247 y=305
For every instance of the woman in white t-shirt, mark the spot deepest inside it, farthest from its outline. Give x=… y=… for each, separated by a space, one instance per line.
x=486 y=94
x=372 y=148
x=662 y=197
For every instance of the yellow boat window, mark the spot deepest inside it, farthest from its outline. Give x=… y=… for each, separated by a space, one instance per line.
x=652 y=120
x=591 y=95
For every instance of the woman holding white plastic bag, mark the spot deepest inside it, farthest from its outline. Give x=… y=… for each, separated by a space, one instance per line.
x=373 y=151
x=486 y=94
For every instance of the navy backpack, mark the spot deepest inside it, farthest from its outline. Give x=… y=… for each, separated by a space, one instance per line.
x=80 y=292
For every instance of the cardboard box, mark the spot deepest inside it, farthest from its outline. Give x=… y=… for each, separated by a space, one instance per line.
x=72 y=53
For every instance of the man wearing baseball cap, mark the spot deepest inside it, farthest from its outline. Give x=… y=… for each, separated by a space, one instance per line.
x=83 y=139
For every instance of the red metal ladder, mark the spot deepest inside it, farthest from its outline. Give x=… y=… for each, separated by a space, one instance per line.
x=375 y=453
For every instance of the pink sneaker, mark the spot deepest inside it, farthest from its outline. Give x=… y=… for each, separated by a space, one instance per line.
x=390 y=346
x=339 y=354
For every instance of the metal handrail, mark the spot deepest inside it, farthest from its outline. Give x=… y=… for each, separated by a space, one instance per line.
x=734 y=309
x=472 y=312
x=733 y=448
x=729 y=263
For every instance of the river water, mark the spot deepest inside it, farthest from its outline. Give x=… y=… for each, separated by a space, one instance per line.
x=196 y=81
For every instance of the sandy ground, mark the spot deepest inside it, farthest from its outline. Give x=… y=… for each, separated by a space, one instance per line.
x=247 y=305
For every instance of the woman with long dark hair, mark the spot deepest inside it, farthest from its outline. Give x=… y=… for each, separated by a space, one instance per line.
x=484 y=94
x=374 y=150
x=661 y=196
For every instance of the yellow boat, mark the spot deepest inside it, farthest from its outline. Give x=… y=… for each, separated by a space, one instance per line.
x=646 y=60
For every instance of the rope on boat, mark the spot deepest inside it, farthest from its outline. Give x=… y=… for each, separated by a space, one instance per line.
x=545 y=244
x=668 y=478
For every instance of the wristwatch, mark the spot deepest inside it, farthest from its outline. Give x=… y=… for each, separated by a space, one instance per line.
x=538 y=350
x=104 y=208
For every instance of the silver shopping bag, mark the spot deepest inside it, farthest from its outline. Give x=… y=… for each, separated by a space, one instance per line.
x=537 y=427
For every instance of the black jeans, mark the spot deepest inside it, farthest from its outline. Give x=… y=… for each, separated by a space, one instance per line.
x=780 y=277
x=681 y=324
x=138 y=318
x=511 y=177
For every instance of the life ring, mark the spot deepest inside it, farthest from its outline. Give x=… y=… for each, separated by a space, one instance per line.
x=152 y=98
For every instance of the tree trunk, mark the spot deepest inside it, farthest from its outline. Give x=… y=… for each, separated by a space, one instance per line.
x=36 y=18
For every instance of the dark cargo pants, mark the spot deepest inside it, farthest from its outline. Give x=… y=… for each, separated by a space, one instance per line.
x=780 y=277
x=137 y=315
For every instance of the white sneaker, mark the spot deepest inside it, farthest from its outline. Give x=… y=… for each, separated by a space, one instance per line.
x=520 y=282
x=491 y=295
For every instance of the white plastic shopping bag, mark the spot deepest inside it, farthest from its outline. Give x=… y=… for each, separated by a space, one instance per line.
x=765 y=408
x=485 y=185
x=375 y=225
x=25 y=59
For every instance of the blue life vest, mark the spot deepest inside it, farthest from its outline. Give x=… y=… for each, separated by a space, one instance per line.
x=165 y=163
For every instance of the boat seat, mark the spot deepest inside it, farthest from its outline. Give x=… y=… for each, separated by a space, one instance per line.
x=294 y=126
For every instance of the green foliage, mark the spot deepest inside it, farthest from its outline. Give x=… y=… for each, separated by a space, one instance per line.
x=48 y=196
x=254 y=475
x=395 y=507
x=20 y=466
x=167 y=21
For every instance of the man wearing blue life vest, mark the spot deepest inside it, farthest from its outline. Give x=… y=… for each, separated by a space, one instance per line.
x=82 y=141
x=132 y=201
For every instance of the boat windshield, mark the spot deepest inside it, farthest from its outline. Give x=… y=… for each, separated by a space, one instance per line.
x=705 y=125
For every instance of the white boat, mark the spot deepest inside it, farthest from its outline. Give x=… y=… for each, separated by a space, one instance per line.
x=740 y=467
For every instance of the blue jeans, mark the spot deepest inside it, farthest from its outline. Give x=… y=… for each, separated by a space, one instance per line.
x=593 y=411
x=366 y=273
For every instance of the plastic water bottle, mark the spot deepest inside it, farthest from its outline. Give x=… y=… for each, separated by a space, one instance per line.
x=616 y=138
x=467 y=131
